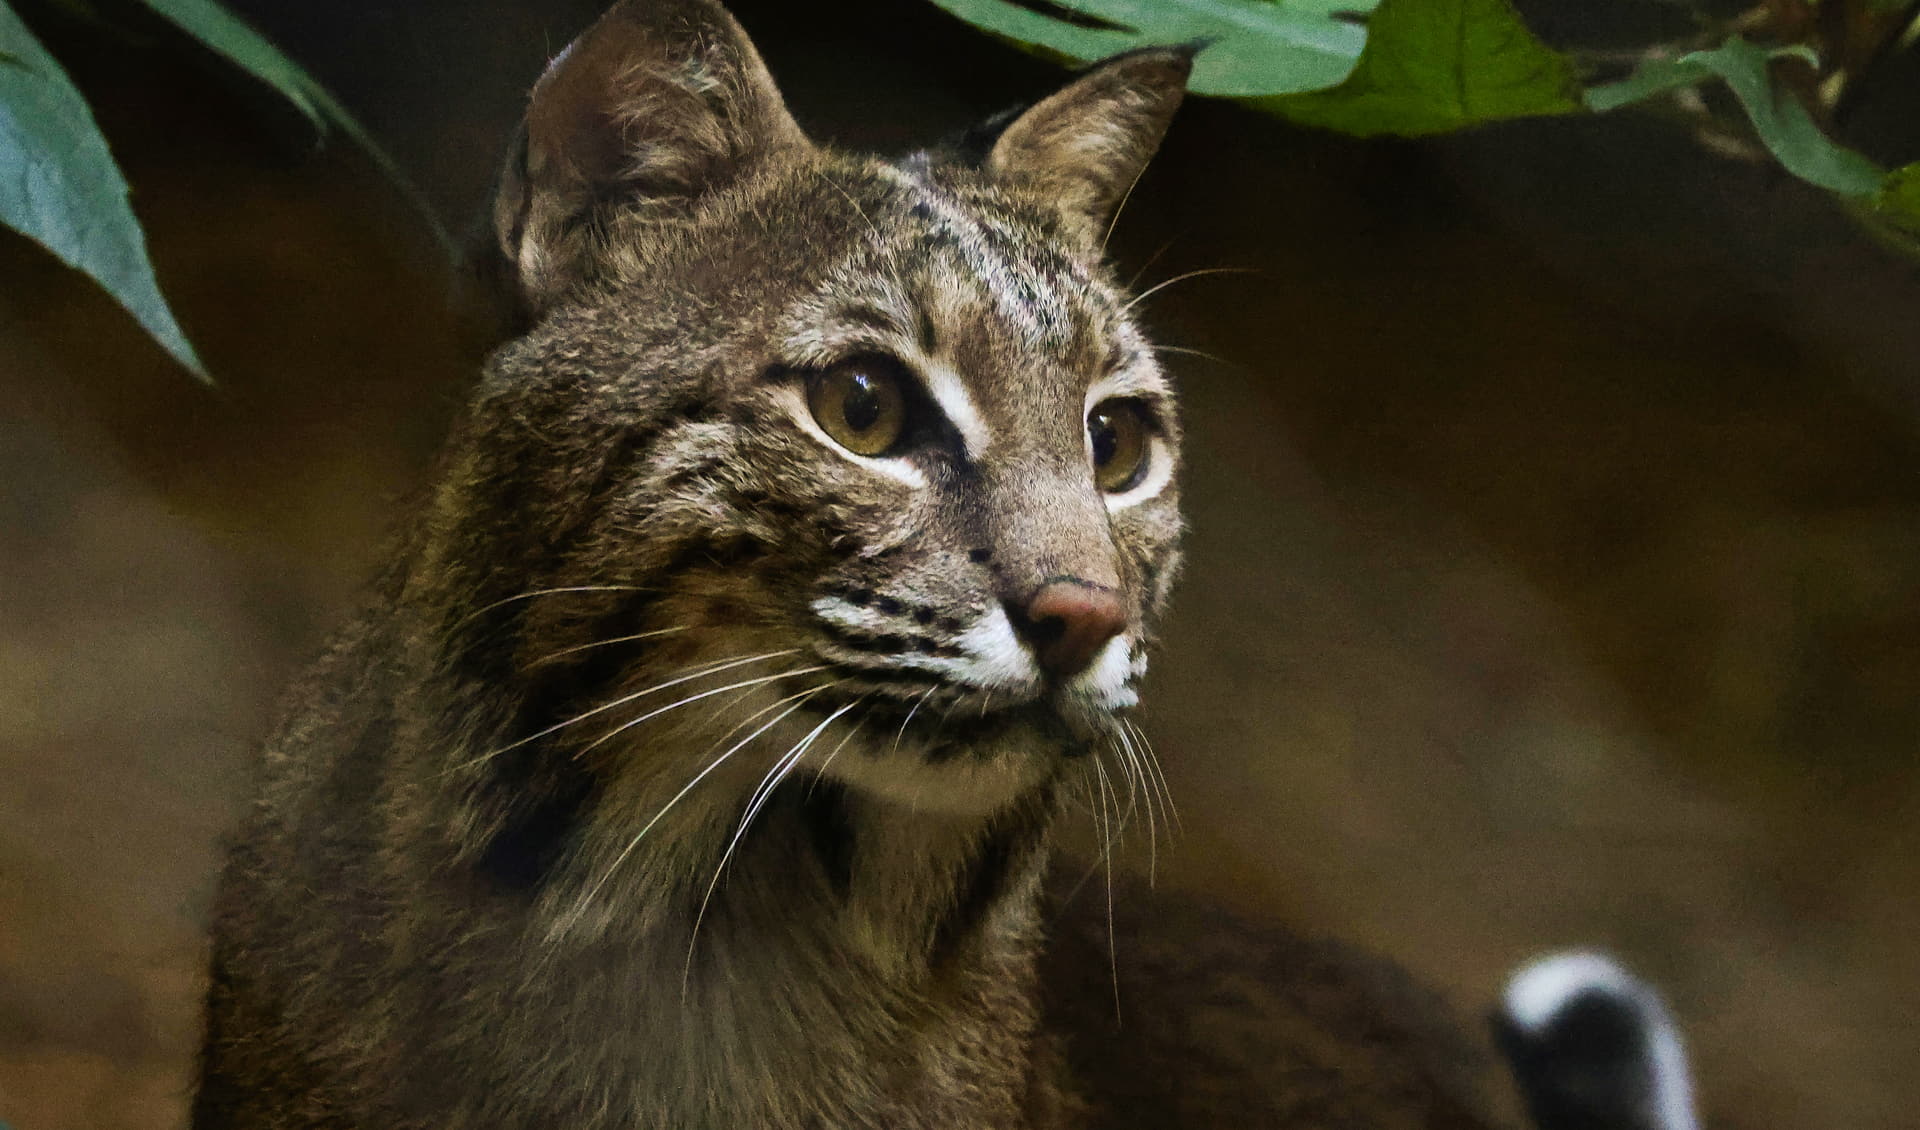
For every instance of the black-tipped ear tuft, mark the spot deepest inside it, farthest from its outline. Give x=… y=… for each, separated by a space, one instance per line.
x=1084 y=146
x=660 y=100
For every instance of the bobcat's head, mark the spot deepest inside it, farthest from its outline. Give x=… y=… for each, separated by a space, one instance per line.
x=861 y=466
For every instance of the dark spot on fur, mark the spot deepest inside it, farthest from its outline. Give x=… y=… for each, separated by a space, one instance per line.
x=889 y=605
x=940 y=753
x=888 y=643
x=861 y=597
x=829 y=819
x=921 y=210
x=554 y=691
x=931 y=646
x=980 y=555
x=982 y=886
x=871 y=317
x=716 y=554
x=951 y=624
x=923 y=615
x=929 y=334
x=539 y=827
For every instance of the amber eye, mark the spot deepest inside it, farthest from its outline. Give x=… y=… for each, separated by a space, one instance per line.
x=1118 y=431
x=860 y=404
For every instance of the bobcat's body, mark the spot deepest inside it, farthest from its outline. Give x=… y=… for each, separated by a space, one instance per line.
x=695 y=762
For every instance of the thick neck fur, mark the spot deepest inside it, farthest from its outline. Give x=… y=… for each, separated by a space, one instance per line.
x=880 y=958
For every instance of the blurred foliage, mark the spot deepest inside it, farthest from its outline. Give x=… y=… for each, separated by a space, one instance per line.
x=1440 y=65
x=68 y=193
x=1365 y=67
x=1253 y=49
x=1434 y=66
x=64 y=189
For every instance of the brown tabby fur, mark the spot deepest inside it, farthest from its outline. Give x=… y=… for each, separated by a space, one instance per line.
x=493 y=881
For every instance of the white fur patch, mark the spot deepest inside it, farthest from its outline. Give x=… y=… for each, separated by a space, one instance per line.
x=995 y=656
x=950 y=393
x=1104 y=682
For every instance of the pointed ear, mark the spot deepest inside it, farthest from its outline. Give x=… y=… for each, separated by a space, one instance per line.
x=1085 y=145
x=660 y=100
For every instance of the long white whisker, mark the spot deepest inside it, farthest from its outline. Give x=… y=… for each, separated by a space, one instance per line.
x=917 y=704
x=581 y=906
x=1106 y=851
x=1137 y=782
x=751 y=718
x=1153 y=762
x=1090 y=806
x=692 y=698
x=1114 y=221
x=1136 y=741
x=1191 y=352
x=853 y=730
x=768 y=784
x=484 y=609
x=710 y=669
x=605 y=643
x=1122 y=817
x=1148 y=265
x=1160 y=286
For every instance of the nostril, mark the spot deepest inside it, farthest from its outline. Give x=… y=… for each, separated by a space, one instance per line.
x=1067 y=622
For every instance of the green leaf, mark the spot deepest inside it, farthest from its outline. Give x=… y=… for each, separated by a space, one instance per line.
x=226 y=34
x=1898 y=199
x=60 y=187
x=1253 y=47
x=229 y=36
x=1779 y=120
x=1432 y=66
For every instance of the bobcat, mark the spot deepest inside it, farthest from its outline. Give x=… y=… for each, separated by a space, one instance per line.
x=694 y=762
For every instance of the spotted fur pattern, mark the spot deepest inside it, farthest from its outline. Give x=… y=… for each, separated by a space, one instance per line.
x=687 y=768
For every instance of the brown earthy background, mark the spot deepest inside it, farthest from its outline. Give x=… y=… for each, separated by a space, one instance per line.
x=1555 y=568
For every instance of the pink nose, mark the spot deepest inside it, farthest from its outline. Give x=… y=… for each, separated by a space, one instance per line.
x=1067 y=622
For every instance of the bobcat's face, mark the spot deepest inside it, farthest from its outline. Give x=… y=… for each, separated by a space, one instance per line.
x=859 y=464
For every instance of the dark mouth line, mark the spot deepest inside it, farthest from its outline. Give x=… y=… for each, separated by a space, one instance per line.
x=943 y=731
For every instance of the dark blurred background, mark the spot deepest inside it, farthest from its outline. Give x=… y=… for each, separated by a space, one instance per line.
x=1555 y=568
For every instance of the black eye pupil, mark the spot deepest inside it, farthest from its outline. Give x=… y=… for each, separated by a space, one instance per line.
x=1106 y=440
x=862 y=407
